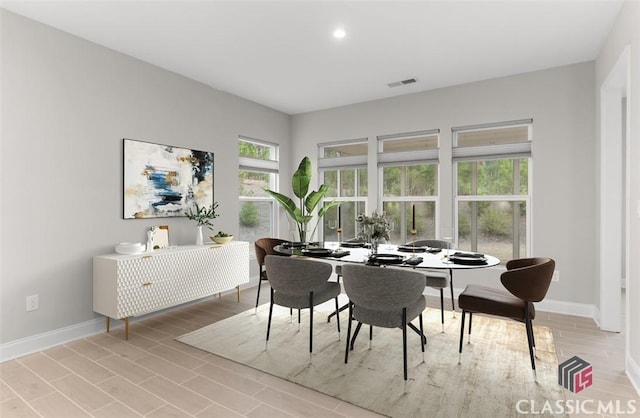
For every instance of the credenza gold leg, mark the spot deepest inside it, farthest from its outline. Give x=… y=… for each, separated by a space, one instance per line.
x=108 y=323
x=126 y=328
x=238 y=287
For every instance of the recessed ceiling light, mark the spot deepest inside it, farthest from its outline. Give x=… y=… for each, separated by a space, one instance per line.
x=339 y=33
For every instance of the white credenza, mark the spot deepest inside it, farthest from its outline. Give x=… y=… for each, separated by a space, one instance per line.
x=131 y=285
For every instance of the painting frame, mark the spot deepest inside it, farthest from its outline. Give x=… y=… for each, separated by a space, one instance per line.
x=163 y=181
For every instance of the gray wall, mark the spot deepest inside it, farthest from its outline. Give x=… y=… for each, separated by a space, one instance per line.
x=66 y=105
x=626 y=32
x=561 y=103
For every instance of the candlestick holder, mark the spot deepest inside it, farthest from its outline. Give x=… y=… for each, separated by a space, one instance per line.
x=414 y=232
x=339 y=231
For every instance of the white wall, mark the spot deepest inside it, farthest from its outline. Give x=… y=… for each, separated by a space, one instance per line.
x=626 y=32
x=561 y=103
x=66 y=105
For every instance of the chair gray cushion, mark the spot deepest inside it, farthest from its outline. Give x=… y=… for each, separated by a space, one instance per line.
x=379 y=293
x=301 y=301
x=293 y=278
x=389 y=319
x=433 y=243
x=438 y=282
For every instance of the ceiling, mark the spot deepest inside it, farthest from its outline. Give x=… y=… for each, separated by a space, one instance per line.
x=283 y=54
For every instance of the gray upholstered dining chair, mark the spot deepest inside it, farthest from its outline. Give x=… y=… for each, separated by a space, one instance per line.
x=437 y=279
x=384 y=297
x=526 y=281
x=264 y=247
x=300 y=283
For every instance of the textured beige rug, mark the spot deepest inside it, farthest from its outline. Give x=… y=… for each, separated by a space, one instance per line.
x=494 y=375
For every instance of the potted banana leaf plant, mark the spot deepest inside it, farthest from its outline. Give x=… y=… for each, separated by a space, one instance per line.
x=302 y=212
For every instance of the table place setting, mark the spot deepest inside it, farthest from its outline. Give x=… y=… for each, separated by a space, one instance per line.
x=468 y=258
x=353 y=244
x=408 y=248
x=397 y=259
x=324 y=252
x=393 y=255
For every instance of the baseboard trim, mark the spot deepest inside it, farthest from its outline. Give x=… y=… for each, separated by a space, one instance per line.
x=39 y=342
x=633 y=373
x=33 y=344
x=567 y=308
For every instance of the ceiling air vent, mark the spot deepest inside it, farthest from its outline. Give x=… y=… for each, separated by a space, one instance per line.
x=403 y=82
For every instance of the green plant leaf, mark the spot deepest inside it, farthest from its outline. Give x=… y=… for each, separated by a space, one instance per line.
x=203 y=215
x=325 y=208
x=301 y=178
x=303 y=214
x=285 y=202
x=299 y=217
x=314 y=198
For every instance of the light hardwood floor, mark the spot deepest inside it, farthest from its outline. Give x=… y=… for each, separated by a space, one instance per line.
x=152 y=375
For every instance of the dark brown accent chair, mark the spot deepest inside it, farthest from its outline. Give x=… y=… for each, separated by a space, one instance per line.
x=264 y=247
x=526 y=281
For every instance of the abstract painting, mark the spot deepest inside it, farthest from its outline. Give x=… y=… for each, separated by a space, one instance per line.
x=163 y=180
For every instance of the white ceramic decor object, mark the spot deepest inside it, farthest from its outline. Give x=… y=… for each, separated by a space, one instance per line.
x=130 y=248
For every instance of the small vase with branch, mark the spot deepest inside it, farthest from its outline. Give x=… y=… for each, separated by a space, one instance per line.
x=204 y=216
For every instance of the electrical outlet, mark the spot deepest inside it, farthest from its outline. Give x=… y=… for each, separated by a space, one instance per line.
x=32 y=303
x=556 y=276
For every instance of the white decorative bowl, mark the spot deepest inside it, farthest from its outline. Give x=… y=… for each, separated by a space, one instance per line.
x=221 y=240
x=130 y=247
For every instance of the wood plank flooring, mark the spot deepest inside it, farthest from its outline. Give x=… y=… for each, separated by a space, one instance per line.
x=151 y=375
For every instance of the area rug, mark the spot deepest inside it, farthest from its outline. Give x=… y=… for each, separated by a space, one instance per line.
x=494 y=375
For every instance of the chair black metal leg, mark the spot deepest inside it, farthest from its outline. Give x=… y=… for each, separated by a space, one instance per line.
x=533 y=336
x=404 y=342
x=533 y=341
x=464 y=314
x=346 y=350
x=342 y=308
x=270 y=313
x=355 y=334
x=337 y=312
x=422 y=340
x=530 y=337
x=310 y=322
x=442 y=308
x=258 y=297
x=420 y=333
x=529 y=327
x=470 y=319
x=453 y=303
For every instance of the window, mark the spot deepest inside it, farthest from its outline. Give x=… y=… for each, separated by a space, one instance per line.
x=258 y=170
x=493 y=174
x=409 y=168
x=343 y=168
